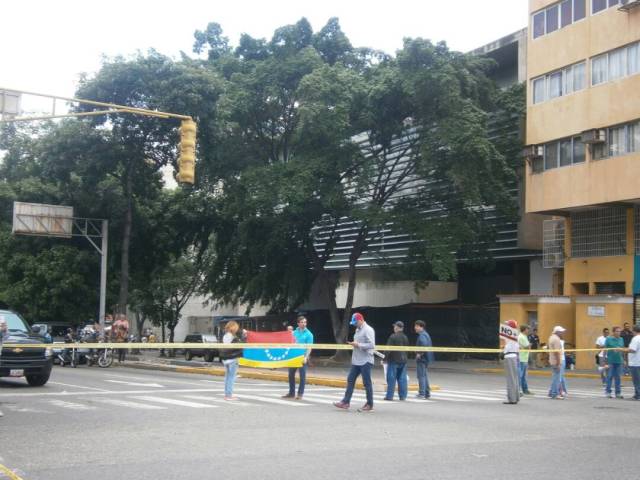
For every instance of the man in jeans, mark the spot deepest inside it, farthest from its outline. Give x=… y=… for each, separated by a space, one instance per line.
x=397 y=363
x=634 y=361
x=304 y=336
x=363 y=344
x=614 y=361
x=423 y=359
x=556 y=360
x=525 y=345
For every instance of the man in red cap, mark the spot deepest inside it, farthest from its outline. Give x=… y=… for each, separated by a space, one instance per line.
x=510 y=353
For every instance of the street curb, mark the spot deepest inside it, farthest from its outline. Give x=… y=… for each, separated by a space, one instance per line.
x=270 y=376
x=542 y=373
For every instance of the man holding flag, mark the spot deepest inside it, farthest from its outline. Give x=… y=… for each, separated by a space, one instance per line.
x=304 y=336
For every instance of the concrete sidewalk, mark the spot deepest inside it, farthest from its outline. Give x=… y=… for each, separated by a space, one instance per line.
x=324 y=372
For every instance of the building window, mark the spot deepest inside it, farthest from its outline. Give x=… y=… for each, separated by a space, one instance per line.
x=557 y=16
x=615 y=64
x=578 y=150
x=538 y=90
x=566 y=152
x=599 y=70
x=599 y=233
x=617 y=141
x=633 y=59
x=633 y=137
x=621 y=140
x=561 y=153
x=551 y=155
x=559 y=83
x=610 y=288
x=599 y=5
x=538 y=24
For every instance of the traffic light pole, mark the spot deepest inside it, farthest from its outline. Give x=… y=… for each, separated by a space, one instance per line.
x=103 y=272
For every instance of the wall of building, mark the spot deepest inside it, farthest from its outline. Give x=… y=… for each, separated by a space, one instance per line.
x=541 y=279
x=617 y=311
x=372 y=291
x=604 y=105
x=598 y=269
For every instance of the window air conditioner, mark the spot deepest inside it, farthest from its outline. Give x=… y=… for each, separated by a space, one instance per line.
x=597 y=135
x=532 y=152
x=627 y=5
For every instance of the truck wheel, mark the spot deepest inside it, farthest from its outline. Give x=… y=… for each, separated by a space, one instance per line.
x=209 y=357
x=187 y=355
x=37 y=380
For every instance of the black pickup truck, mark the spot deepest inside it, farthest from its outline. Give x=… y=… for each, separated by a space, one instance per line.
x=32 y=363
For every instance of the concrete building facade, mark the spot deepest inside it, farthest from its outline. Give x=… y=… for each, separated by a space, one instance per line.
x=583 y=165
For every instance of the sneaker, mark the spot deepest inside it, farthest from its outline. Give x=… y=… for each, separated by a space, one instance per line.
x=527 y=393
x=288 y=395
x=609 y=395
x=342 y=405
x=619 y=396
x=421 y=396
x=366 y=408
x=403 y=399
x=231 y=398
x=509 y=403
x=388 y=399
x=299 y=397
x=557 y=397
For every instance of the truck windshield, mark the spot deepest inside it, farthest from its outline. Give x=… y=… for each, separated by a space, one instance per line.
x=14 y=322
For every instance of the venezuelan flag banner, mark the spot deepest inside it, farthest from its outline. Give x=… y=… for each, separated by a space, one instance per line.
x=271 y=357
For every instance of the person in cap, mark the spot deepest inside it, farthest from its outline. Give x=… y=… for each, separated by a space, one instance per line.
x=364 y=344
x=423 y=359
x=556 y=360
x=510 y=352
x=397 y=363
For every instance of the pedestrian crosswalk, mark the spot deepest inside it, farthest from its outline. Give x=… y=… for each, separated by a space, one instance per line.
x=209 y=395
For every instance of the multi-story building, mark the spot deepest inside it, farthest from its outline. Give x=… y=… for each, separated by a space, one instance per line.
x=583 y=165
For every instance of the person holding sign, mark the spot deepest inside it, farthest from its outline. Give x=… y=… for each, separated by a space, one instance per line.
x=510 y=352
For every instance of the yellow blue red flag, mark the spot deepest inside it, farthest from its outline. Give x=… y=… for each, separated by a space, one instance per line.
x=272 y=357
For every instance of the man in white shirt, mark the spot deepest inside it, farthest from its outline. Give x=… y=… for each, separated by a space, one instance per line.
x=600 y=357
x=634 y=360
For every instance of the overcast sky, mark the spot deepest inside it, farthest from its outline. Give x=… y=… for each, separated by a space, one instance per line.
x=46 y=44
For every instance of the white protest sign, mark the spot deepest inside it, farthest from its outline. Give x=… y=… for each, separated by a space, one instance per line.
x=507 y=332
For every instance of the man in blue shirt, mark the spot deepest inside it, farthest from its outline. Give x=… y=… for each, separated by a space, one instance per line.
x=304 y=336
x=423 y=359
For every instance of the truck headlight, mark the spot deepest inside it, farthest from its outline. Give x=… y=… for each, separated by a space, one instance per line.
x=48 y=352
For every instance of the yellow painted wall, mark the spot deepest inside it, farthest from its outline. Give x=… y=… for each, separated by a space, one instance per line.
x=516 y=311
x=552 y=314
x=589 y=328
x=598 y=269
x=604 y=105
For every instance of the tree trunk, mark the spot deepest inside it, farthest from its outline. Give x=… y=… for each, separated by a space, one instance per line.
x=140 y=319
x=123 y=297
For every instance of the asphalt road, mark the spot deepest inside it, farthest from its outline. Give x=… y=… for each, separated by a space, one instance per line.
x=122 y=423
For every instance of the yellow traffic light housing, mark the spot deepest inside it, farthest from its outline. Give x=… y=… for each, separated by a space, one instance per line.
x=187 y=159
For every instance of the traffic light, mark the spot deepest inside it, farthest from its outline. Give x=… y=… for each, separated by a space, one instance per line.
x=186 y=162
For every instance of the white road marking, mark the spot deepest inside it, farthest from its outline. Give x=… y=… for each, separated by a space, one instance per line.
x=71 y=405
x=78 y=386
x=272 y=400
x=172 y=401
x=452 y=396
x=218 y=400
x=127 y=404
x=136 y=384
